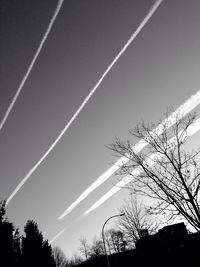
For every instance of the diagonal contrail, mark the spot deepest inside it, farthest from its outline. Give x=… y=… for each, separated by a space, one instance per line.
x=185 y=108
x=10 y=107
x=133 y=36
x=127 y=179
x=57 y=236
x=194 y=128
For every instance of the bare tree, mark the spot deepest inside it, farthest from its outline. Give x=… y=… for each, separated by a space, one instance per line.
x=97 y=248
x=84 y=247
x=135 y=220
x=111 y=240
x=115 y=241
x=165 y=171
x=107 y=242
x=59 y=257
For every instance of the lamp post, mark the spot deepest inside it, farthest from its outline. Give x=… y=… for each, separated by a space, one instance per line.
x=104 y=243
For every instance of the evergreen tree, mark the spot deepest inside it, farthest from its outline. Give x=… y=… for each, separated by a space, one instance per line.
x=6 y=238
x=3 y=218
x=35 y=251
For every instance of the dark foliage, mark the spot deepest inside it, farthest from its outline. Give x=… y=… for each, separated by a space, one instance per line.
x=29 y=250
x=9 y=240
x=35 y=251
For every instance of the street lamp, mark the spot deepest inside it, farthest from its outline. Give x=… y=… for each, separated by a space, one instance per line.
x=118 y=215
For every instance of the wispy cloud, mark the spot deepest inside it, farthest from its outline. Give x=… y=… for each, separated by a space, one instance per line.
x=14 y=99
x=185 y=108
x=194 y=128
x=148 y=16
x=57 y=236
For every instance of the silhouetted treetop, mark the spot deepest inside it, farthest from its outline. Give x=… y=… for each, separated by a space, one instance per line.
x=36 y=251
x=2 y=212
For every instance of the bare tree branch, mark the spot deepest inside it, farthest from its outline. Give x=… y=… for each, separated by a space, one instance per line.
x=173 y=179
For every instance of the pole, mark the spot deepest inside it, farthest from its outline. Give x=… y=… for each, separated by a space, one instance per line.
x=104 y=243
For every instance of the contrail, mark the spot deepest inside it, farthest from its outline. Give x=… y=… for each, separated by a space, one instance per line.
x=185 y=108
x=57 y=236
x=127 y=179
x=10 y=107
x=148 y=16
x=194 y=128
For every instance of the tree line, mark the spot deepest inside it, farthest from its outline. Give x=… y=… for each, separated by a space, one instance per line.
x=29 y=249
x=124 y=235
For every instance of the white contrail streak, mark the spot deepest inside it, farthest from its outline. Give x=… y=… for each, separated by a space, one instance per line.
x=58 y=7
x=57 y=236
x=148 y=16
x=133 y=36
x=194 y=128
x=127 y=179
x=185 y=108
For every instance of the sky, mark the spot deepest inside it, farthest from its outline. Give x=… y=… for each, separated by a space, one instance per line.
x=158 y=70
